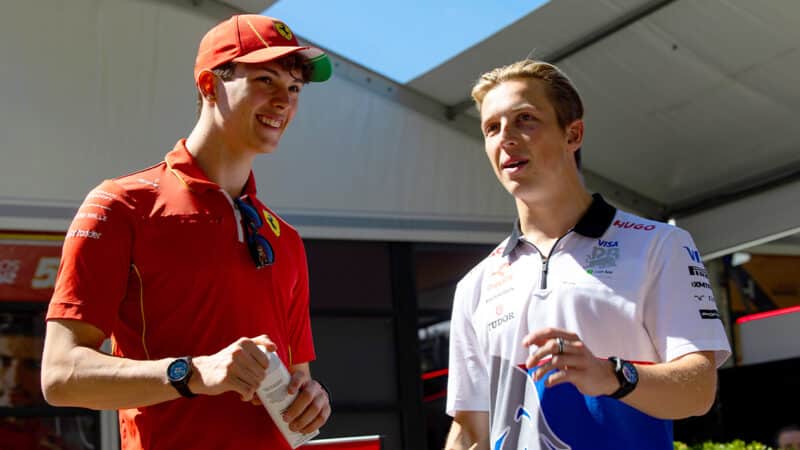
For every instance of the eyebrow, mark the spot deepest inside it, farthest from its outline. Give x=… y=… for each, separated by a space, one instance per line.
x=525 y=106
x=278 y=74
x=517 y=108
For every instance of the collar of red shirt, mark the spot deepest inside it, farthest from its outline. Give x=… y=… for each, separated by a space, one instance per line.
x=183 y=166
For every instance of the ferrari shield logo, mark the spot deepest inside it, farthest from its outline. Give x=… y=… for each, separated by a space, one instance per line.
x=283 y=30
x=273 y=223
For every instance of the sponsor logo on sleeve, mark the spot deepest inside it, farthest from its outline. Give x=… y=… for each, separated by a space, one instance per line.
x=694 y=255
x=697 y=271
x=95 y=205
x=151 y=183
x=91 y=215
x=633 y=225
x=709 y=314
x=703 y=297
x=99 y=193
x=88 y=234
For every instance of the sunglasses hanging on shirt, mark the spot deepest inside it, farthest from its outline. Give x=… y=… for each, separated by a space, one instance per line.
x=260 y=249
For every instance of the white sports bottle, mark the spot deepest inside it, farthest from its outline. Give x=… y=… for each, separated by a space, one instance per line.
x=276 y=398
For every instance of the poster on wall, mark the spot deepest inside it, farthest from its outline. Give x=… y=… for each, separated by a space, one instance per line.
x=28 y=268
x=28 y=265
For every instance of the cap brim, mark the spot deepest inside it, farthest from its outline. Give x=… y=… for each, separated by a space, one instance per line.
x=321 y=68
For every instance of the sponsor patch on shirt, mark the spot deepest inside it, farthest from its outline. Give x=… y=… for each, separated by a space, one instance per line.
x=273 y=223
x=709 y=314
x=697 y=271
x=603 y=259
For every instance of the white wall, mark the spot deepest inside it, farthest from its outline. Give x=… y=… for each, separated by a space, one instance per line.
x=97 y=88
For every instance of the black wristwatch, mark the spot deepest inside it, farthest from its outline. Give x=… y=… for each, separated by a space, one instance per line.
x=626 y=374
x=178 y=373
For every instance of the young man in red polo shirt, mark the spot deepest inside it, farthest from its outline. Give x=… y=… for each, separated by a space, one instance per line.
x=188 y=272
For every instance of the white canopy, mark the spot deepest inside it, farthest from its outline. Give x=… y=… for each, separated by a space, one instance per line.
x=689 y=116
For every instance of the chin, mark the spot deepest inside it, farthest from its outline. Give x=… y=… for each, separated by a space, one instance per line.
x=265 y=147
x=524 y=192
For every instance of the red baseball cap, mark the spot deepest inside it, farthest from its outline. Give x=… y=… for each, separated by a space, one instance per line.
x=252 y=38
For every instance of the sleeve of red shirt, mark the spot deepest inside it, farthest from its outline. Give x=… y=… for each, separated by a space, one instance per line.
x=95 y=260
x=299 y=319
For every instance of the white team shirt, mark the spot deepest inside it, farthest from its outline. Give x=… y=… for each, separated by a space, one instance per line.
x=627 y=286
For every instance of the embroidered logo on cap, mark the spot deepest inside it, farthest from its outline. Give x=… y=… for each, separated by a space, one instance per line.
x=283 y=30
x=273 y=223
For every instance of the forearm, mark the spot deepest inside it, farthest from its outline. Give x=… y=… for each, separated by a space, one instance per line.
x=682 y=388
x=469 y=431
x=85 y=377
x=456 y=440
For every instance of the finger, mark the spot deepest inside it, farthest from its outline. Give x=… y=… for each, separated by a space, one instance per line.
x=319 y=420
x=540 y=337
x=266 y=342
x=316 y=424
x=548 y=348
x=304 y=398
x=542 y=370
x=558 y=377
x=252 y=349
x=249 y=371
x=307 y=416
x=241 y=387
x=562 y=363
x=299 y=378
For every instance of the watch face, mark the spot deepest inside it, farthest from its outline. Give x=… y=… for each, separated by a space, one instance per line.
x=177 y=370
x=629 y=372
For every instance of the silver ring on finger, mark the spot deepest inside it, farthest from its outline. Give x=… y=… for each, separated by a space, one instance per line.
x=560 y=342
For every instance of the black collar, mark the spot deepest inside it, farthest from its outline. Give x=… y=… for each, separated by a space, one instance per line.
x=594 y=223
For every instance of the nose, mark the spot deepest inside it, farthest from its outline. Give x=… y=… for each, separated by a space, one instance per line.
x=508 y=137
x=281 y=98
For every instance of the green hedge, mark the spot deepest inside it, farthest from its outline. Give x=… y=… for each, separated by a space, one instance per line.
x=735 y=445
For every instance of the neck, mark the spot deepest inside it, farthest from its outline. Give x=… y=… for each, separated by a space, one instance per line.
x=222 y=163
x=549 y=217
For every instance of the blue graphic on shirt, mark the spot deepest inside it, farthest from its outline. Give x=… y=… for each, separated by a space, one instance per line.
x=561 y=418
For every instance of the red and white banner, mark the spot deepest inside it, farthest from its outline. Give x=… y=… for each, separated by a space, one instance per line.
x=28 y=265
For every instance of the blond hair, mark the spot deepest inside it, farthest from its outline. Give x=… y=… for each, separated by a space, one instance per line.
x=560 y=90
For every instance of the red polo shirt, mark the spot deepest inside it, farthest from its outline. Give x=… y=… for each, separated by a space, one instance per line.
x=157 y=260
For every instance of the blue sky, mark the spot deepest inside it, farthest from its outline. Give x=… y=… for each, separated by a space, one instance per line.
x=399 y=39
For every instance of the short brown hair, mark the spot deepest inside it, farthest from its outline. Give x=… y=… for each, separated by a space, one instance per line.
x=560 y=90
x=295 y=64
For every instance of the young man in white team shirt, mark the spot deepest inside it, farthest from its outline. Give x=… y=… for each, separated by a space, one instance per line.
x=589 y=327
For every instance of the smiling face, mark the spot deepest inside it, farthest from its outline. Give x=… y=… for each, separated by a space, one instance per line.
x=530 y=153
x=256 y=105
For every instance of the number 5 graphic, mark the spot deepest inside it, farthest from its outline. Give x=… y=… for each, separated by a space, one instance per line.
x=46 y=271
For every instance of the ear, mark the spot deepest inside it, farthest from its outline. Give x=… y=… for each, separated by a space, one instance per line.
x=575 y=134
x=207 y=85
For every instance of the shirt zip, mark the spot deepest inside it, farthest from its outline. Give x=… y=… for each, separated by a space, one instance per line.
x=236 y=214
x=546 y=260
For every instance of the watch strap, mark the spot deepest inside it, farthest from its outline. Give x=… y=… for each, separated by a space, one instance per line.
x=625 y=386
